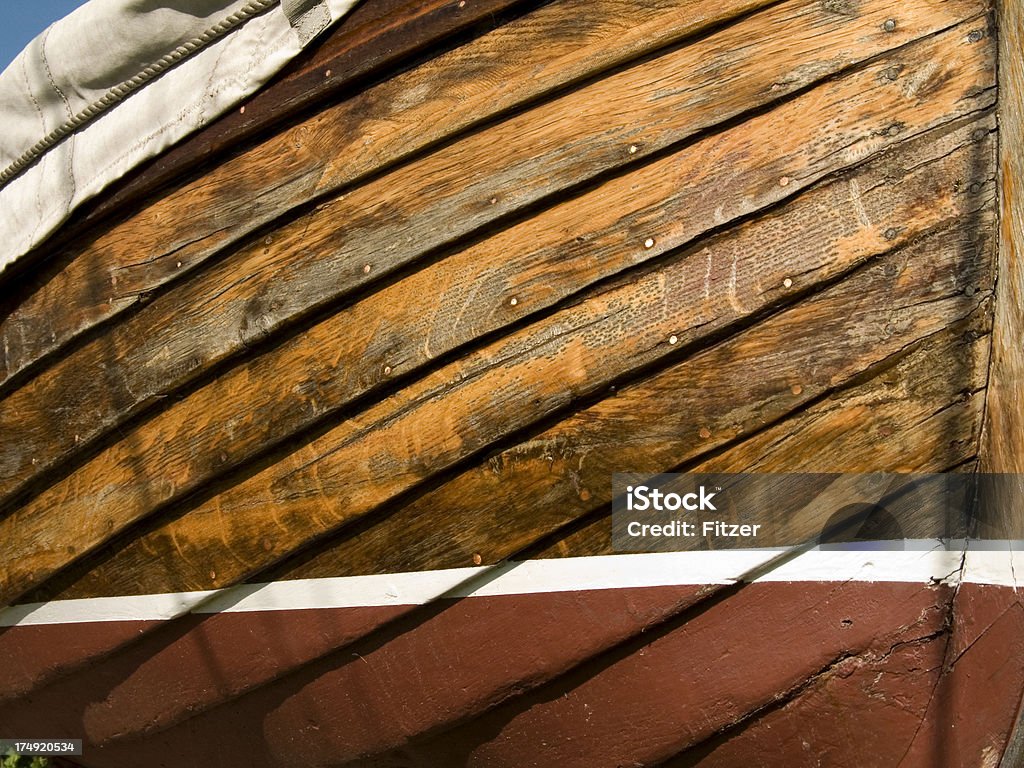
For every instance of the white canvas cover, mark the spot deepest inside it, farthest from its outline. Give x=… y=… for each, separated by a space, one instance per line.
x=117 y=82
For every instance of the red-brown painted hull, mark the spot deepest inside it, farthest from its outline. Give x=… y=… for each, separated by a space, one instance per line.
x=780 y=674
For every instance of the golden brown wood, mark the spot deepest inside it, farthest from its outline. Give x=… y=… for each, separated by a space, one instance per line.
x=425 y=205
x=1004 y=448
x=772 y=374
x=398 y=443
x=622 y=228
x=512 y=66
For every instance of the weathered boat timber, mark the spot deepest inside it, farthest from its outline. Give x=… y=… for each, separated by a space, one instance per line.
x=309 y=424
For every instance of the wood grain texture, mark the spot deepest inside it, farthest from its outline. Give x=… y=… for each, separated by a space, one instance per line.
x=910 y=407
x=651 y=203
x=814 y=238
x=912 y=415
x=514 y=65
x=1004 y=447
x=377 y=37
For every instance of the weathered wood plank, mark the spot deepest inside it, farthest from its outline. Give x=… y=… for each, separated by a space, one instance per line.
x=180 y=336
x=902 y=399
x=1004 y=448
x=764 y=254
x=705 y=404
x=821 y=220
x=375 y=37
x=514 y=65
x=236 y=416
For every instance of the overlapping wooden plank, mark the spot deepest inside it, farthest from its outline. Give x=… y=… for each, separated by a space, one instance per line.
x=457 y=520
x=703 y=405
x=648 y=221
x=358 y=135
x=559 y=44
x=909 y=393
x=901 y=400
x=377 y=36
x=365 y=452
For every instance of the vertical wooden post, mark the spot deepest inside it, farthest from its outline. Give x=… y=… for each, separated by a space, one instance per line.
x=1003 y=450
x=1003 y=446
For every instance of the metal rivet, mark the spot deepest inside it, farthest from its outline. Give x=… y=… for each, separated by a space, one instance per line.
x=969 y=290
x=387 y=370
x=327 y=73
x=975 y=188
x=890 y=234
x=584 y=495
x=178 y=264
x=477 y=559
x=889 y=25
x=784 y=181
x=705 y=433
x=213 y=575
x=632 y=149
x=462 y=3
x=649 y=242
x=796 y=389
x=978 y=134
x=893 y=130
x=975 y=35
x=513 y=301
x=787 y=283
x=892 y=73
x=366 y=269
x=241 y=111
x=494 y=201
x=673 y=339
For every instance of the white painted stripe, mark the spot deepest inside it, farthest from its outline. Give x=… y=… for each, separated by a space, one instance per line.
x=996 y=565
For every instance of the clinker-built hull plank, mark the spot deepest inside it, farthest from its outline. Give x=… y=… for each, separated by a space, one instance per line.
x=902 y=399
x=638 y=421
x=362 y=136
x=652 y=200
x=375 y=40
x=377 y=228
x=730 y=393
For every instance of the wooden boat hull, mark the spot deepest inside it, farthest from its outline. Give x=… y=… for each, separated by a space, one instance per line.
x=314 y=419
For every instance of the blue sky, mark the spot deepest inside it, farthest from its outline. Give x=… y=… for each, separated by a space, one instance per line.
x=24 y=19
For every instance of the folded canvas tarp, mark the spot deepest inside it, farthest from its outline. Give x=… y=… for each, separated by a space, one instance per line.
x=117 y=82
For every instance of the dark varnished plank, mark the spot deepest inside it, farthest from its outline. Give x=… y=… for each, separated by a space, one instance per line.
x=618 y=230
